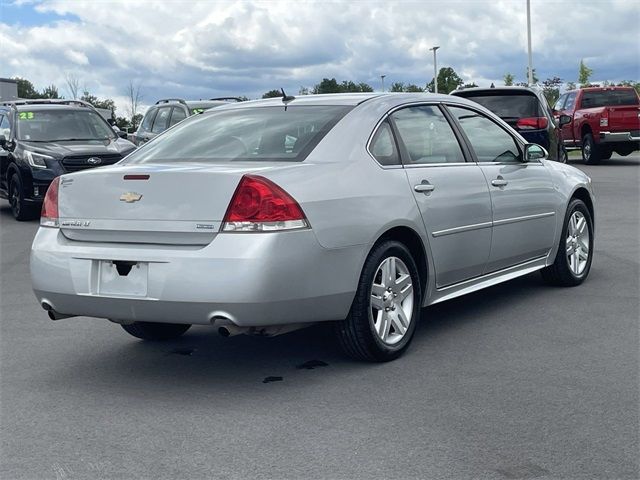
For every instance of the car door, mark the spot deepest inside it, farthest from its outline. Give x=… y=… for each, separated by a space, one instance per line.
x=143 y=134
x=450 y=192
x=4 y=154
x=568 y=108
x=522 y=195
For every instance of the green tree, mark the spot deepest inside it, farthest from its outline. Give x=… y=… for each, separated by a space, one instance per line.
x=303 y=90
x=533 y=75
x=123 y=123
x=448 y=81
x=272 y=94
x=326 y=86
x=571 y=86
x=135 y=121
x=397 y=87
x=411 y=88
x=364 y=87
x=508 y=79
x=26 y=88
x=584 y=73
x=50 y=92
x=551 y=89
x=107 y=103
x=469 y=85
x=332 y=86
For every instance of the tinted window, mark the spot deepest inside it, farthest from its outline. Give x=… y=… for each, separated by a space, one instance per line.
x=490 y=142
x=427 y=135
x=177 y=115
x=148 y=120
x=571 y=100
x=510 y=106
x=59 y=125
x=383 y=146
x=5 y=128
x=609 y=98
x=161 y=121
x=560 y=102
x=253 y=134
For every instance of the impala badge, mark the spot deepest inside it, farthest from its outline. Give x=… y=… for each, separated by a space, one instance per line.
x=130 y=197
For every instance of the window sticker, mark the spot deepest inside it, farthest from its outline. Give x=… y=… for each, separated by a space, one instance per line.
x=25 y=115
x=197 y=110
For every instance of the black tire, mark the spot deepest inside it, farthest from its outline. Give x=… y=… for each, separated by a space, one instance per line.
x=591 y=153
x=356 y=334
x=21 y=210
x=156 y=331
x=559 y=273
x=563 y=155
x=605 y=153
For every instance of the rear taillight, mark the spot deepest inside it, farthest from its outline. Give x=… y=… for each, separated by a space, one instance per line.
x=259 y=205
x=49 y=215
x=604 y=118
x=532 y=123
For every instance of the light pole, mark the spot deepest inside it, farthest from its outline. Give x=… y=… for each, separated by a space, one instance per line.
x=382 y=78
x=530 y=73
x=435 y=69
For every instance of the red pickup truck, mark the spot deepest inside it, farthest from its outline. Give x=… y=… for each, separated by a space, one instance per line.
x=602 y=120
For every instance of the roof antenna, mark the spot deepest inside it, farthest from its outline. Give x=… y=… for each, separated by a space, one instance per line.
x=492 y=85
x=286 y=98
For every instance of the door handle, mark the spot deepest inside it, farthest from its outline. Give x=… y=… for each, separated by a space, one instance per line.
x=424 y=187
x=499 y=182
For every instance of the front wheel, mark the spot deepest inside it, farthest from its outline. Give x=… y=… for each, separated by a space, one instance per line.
x=575 y=252
x=155 y=331
x=19 y=207
x=386 y=307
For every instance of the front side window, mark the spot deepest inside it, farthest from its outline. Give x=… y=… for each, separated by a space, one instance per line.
x=383 y=146
x=560 y=102
x=161 y=121
x=490 y=142
x=147 y=121
x=5 y=128
x=571 y=101
x=62 y=125
x=427 y=135
x=244 y=134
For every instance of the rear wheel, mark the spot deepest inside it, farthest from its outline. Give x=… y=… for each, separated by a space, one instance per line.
x=386 y=307
x=21 y=210
x=590 y=151
x=563 y=156
x=575 y=252
x=155 y=331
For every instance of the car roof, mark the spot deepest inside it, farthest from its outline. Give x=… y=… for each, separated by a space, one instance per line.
x=504 y=89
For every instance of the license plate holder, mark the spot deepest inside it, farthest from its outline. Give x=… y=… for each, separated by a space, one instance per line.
x=116 y=279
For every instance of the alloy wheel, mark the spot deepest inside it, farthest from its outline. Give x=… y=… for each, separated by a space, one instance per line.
x=391 y=303
x=14 y=198
x=577 y=243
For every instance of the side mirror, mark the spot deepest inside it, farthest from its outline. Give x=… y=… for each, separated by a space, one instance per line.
x=564 y=120
x=534 y=152
x=122 y=134
x=3 y=141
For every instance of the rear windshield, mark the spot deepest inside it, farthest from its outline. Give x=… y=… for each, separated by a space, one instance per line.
x=254 y=134
x=606 y=98
x=62 y=125
x=511 y=106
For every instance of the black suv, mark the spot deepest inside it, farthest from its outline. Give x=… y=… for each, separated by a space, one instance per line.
x=526 y=110
x=41 y=139
x=169 y=111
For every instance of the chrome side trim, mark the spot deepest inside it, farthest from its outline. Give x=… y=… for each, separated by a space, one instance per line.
x=463 y=288
x=465 y=228
x=478 y=226
x=523 y=219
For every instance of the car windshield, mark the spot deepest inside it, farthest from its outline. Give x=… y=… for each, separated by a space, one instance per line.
x=60 y=125
x=509 y=106
x=253 y=134
x=606 y=98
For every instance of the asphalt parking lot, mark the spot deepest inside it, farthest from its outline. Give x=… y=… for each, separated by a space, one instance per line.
x=518 y=381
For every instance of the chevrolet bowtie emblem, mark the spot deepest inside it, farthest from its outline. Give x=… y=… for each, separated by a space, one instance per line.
x=130 y=197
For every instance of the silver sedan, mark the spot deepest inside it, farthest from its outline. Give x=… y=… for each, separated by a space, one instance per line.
x=266 y=216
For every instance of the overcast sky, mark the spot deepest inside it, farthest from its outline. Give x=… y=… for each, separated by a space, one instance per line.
x=203 y=49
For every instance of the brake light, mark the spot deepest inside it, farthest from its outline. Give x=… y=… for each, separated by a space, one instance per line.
x=604 y=118
x=259 y=205
x=49 y=215
x=532 y=123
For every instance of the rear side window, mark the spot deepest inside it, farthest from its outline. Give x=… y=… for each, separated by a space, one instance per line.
x=510 y=106
x=177 y=115
x=161 y=121
x=244 y=134
x=383 y=146
x=427 y=135
x=606 y=98
x=490 y=141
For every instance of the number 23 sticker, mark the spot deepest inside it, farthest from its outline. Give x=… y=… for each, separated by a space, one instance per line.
x=26 y=115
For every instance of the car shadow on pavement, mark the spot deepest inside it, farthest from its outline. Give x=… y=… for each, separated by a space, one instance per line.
x=203 y=360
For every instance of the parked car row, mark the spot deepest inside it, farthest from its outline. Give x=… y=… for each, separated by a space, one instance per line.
x=263 y=217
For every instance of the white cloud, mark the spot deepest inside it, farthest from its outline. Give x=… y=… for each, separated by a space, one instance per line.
x=204 y=49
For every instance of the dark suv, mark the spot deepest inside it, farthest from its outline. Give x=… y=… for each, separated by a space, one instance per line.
x=41 y=139
x=169 y=111
x=526 y=110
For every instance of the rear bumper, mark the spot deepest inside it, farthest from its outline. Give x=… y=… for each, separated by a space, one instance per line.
x=247 y=279
x=619 y=137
